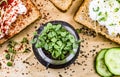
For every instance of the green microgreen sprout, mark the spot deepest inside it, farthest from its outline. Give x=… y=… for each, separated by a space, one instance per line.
x=56 y=41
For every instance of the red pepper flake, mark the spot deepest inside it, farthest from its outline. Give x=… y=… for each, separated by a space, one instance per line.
x=5 y=4
x=20 y=47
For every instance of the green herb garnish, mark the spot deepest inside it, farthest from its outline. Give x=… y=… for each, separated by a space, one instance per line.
x=118 y=1
x=25 y=40
x=100 y=13
x=104 y=18
x=112 y=24
x=9 y=64
x=12 y=50
x=35 y=33
x=116 y=9
x=7 y=56
x=26 y=50
x=78 y=30
x=56 y=41
x=12 y=44
x=96 y=9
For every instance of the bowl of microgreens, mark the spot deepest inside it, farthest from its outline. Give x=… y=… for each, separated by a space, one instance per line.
x=56 y=44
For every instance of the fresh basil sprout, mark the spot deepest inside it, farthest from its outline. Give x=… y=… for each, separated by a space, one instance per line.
x=56 y=41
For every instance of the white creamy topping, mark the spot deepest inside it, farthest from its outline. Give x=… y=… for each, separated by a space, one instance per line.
x=9 y=15
x=107 y=13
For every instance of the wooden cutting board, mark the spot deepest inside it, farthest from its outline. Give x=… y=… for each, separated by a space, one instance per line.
x=82 y=67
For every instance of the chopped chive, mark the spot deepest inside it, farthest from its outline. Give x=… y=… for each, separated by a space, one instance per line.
x=116 y=9
x=112 y=24
x=118 y=1
x=100 y=13
x=102 y=19
x=96 y=9
x=106 y=14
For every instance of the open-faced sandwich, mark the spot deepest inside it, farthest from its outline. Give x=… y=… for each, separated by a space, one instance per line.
x=15 y=15
x=103 y=16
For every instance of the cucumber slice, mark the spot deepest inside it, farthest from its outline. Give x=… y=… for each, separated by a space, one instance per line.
x=100 y=65
x=112 y=60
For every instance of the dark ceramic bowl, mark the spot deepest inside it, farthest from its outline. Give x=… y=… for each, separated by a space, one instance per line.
x=51 y=63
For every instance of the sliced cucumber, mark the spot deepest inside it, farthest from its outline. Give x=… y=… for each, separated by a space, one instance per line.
x=100 y=65
x=112 y=60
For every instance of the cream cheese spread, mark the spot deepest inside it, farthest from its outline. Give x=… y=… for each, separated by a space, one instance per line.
x=106 y=13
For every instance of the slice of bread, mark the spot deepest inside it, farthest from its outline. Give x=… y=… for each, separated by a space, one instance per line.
x=63 y=5
x=23 y=21
x=82 y=17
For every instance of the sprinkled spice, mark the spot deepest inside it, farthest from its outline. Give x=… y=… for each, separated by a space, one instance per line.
x=83 y=68
x=0 y=65
x=88 y=32
x=73 y=71
x=22 y=73
x=60 y=75
x=26 y=62
x=14 y=46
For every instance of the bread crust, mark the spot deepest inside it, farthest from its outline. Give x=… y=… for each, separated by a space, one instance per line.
x=82 y=16
x=23 y=21
x=63 y=5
